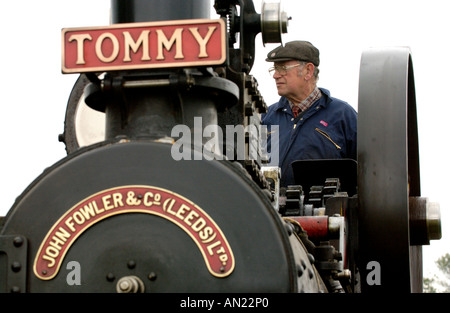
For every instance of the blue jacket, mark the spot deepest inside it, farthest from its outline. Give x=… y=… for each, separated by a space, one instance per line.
x=327 y=130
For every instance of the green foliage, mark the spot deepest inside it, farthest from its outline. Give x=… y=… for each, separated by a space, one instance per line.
x=441 y=283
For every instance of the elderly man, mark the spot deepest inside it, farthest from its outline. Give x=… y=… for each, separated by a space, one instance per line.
x=311 y=123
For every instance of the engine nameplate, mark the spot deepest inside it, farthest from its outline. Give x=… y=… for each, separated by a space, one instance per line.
x=185 y=214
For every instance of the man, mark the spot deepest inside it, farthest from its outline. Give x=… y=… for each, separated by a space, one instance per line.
x=311 y=123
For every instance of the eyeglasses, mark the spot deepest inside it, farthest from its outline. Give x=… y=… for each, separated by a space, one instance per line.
x=282 y=70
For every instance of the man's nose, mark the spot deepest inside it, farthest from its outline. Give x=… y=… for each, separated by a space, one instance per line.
x=276 y=75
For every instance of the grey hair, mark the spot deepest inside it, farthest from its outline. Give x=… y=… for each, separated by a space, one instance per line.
x=316 y=69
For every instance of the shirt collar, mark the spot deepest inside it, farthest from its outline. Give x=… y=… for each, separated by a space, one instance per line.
x=305 y=104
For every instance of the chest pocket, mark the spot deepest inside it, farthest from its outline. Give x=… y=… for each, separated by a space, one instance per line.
x=325 y=135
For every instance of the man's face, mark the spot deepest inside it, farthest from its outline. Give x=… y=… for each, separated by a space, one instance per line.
x=290 y=84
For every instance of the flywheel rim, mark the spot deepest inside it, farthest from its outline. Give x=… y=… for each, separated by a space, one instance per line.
x=388 y=171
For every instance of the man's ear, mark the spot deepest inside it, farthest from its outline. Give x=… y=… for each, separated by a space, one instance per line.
x=309 y=71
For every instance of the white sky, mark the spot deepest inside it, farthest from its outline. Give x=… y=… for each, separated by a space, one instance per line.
x=34 y=93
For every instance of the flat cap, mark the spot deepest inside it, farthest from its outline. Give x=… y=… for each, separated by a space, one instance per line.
x=295 y=50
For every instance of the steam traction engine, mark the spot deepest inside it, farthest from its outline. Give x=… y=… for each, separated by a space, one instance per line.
x=141 y=211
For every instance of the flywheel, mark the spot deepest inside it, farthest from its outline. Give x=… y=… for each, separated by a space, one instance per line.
x=389 y=174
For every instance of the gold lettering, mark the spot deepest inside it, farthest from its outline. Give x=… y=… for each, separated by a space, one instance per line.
x=206 y=234
x=87 y=211
x=190 y=216
x=169 y=209
x=181 y=211
x=78 y=218
x=223 y=258
x=147 y=198
x=202 y=42
x=221 y=250
x=98 y=47
x=163 y=41
x=130 y=44
x=170 y=202
x=70 y=224
x=56 y=243
x=117 y=199
x=157 y=199
x=97 y=210
x=52 y=252
x=50 y=260
x=107 y=202
x=212 y=246
x=62 y=234
x=198 y=225
x=80 y=46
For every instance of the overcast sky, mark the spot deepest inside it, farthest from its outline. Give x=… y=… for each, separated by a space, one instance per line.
x=34 y=93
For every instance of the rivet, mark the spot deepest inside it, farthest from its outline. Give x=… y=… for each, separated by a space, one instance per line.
x=311 y=274
x=18 y=241
x=110 y=277
x=15 y=289
x=152 y=276
x=311 y=258
x=15 y=266
x=303 y=264
x=131 y=264
x=289 y=228
x=299 y=270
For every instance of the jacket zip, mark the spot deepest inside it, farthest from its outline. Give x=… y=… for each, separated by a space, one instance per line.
x=328 y=137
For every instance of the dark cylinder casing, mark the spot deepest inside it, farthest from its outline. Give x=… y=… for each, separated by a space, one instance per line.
x=154 y=111
x=133 y=11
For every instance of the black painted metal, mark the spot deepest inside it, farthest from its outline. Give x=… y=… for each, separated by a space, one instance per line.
x=13 y=263
x=264 y=252
x=153 y=112
x=170 y=97
x=309 y=173
x=387 y=169
x=269 y=257
x=133 y=11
